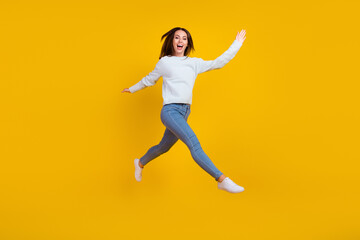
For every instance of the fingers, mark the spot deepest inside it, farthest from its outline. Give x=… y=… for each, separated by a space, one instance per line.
x=241 y=35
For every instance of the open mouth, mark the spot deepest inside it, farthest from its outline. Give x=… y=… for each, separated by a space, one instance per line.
x=179 y=46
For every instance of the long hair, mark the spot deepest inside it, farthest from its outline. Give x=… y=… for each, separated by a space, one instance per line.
x=167 y=47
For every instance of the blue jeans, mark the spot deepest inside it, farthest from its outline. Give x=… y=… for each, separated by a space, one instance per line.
x=174 y=116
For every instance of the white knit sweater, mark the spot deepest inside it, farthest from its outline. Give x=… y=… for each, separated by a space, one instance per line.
x=179 y=74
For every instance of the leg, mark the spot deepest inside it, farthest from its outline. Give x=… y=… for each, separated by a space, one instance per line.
x=168 y=140
x=174 y=118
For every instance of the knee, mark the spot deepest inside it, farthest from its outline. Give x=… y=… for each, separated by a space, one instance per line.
x=195 y=147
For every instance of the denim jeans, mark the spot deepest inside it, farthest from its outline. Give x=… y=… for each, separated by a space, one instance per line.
x=174 y=116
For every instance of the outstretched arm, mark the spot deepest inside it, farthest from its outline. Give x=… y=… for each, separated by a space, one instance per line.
x=148 y=80
x=204 y=66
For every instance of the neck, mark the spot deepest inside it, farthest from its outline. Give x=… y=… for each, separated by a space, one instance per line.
x=178 y=54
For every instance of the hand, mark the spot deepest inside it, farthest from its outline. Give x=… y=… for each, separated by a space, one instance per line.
x=126 y=90
x=241 y=36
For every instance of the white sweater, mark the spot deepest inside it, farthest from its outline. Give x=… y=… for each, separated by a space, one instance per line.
x=179 y=74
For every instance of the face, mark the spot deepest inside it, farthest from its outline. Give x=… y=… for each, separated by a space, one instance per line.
x=180 y=43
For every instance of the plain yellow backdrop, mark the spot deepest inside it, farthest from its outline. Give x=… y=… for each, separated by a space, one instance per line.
x=281 y=119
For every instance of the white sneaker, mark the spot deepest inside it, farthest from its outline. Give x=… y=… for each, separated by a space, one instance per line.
x=138 y=170
x=228 y=185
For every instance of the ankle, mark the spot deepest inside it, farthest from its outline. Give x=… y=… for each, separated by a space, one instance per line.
x=221 y=178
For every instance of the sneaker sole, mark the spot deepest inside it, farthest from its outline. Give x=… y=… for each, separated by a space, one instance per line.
x=231 y=192
x=136 y=163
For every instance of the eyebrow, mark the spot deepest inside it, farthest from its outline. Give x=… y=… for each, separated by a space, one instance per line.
x=179 y=35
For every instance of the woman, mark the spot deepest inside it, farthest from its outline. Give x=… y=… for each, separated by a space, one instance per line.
x=179 y=73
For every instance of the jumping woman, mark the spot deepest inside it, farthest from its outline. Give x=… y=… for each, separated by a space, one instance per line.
x=179 y=72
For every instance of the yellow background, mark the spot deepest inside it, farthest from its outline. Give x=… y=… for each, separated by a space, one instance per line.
x=281 y=119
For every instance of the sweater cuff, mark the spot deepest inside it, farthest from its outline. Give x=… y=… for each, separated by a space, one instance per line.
x=237 y=43
x=131 y=89
x=138 y=86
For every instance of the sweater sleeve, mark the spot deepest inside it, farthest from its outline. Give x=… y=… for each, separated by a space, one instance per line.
x=148 y=80
x=219 y=62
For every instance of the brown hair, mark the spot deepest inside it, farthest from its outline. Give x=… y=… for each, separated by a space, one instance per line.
x=167 y=47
